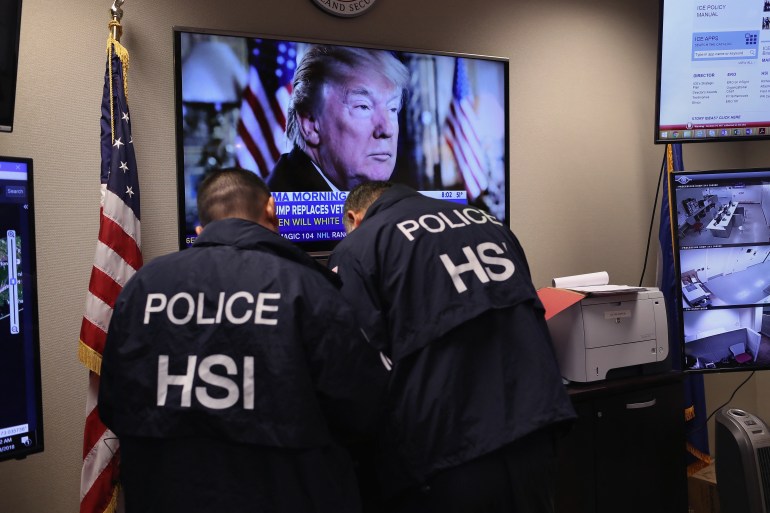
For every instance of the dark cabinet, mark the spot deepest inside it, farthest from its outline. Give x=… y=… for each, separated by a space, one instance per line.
x=626 y=452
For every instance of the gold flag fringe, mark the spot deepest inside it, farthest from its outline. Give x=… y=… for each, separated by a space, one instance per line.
x=703 y=460
x=87 y=355
x=90 y=358
x=669 y=170
x=113 y=505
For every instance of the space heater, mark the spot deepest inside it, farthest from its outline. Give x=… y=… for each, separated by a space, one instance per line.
x=742 y=462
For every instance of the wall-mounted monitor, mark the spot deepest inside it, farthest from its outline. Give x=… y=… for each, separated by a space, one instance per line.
x=713 y=71
x=10 y=28
x=21 y=414
x=722 y=249
x=445 y=132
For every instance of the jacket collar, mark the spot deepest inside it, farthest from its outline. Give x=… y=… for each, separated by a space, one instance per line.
x=244 y=234
x=387 y=199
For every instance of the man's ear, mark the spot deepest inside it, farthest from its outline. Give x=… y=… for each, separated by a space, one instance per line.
x=270 y=219
x=309 y=127
x=198 y=230
x=354 y=218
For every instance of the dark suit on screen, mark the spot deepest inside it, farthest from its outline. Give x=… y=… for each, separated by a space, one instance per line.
x=295 y=171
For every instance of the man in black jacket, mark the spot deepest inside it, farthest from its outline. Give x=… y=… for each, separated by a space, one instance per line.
x=475 y=396
x=233 y=368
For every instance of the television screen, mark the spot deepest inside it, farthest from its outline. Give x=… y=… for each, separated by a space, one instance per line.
x=10 y=25
x=713 y=71
x=21 y=420
x=722 y=248
x=436 y=122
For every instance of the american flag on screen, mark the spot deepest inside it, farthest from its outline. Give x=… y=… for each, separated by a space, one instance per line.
x=463 y=137
x=265 y=101
x=118 y=256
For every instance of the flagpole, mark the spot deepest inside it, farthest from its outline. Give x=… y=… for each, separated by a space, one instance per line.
x=119 y=230
x=116 y=14
x=113 y=45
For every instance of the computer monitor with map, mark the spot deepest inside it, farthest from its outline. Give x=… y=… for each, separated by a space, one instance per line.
x=21 y=420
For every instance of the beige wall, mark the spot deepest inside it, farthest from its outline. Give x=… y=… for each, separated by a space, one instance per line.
x=583 y=168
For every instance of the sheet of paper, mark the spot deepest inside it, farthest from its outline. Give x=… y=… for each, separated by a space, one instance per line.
x=582 y=280
x=606 y=290
x=594 y=284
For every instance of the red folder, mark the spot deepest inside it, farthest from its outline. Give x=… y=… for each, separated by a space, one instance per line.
x=555 y=300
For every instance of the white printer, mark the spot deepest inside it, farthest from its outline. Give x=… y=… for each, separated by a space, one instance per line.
x=603 y=333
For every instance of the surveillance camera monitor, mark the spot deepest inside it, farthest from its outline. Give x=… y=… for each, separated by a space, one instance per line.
x=722 y=249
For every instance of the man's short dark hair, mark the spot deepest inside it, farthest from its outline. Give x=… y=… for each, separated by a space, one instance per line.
x=232 y=192
x=362 y=197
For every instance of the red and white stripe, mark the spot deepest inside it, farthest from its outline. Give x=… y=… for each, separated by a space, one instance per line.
x=118 y=256
x=101 y=456
x=465 y=142
x=261 y=126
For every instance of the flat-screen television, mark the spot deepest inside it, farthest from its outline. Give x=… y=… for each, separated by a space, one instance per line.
x=722 y=253
x=435 y=121
x=713 y=71
x=21 y=413
x=10 y=26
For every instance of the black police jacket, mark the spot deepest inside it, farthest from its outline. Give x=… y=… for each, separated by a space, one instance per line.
x=444 y=291
x=230 y=371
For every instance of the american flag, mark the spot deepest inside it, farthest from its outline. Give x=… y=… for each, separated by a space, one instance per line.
x=696 y=430
x=118 y=256
x=262 y=124
x=462 y=135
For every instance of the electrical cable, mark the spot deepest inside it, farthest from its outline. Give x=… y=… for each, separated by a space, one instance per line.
x=731 y=397
x=652 y=217
x=705 y=422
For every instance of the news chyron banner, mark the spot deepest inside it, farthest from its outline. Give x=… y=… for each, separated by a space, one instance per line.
x=317 y=216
